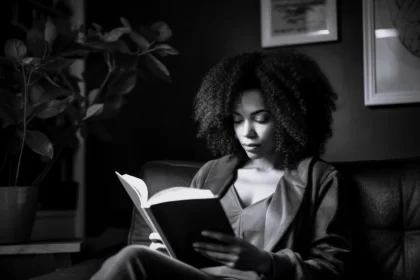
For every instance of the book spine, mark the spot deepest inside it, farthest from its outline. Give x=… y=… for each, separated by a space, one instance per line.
x=156 y=228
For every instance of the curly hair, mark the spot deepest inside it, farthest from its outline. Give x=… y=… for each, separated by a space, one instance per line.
x=295 y=90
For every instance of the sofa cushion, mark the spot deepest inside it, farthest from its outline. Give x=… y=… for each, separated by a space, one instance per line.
x=386 y=218
x=159 y=175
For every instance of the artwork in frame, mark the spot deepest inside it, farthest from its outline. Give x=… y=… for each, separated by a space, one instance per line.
x=391 y=49
x=291 y=22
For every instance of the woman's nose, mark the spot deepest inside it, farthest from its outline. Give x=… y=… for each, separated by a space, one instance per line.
x=248 y=130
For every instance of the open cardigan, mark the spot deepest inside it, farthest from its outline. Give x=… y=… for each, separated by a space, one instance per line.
x=307 y=223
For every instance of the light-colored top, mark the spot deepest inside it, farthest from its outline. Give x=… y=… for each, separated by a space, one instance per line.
x=248 y=223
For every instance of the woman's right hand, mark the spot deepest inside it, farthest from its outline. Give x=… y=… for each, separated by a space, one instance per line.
x=157 y=243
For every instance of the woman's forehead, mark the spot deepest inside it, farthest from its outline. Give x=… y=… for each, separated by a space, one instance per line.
x=251 y=99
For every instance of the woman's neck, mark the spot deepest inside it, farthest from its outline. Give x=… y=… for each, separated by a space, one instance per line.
x=263 y=163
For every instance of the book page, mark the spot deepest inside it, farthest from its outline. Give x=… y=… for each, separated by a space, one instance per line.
x=139 y=185
x=179 y=193
x=134 y=187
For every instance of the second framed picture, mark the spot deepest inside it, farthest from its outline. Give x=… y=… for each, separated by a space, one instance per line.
x=291 y=22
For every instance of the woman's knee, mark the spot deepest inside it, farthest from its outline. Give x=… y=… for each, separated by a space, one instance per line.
x=133 y=251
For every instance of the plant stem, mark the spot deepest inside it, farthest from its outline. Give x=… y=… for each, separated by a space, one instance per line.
x=47 y=168
x=25 y=103
x=108 y=74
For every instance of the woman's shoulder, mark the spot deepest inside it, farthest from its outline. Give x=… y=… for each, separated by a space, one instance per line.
x=315 y=168
x=220 y=162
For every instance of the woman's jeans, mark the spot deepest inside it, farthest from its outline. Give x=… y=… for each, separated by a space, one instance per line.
x=137 y=262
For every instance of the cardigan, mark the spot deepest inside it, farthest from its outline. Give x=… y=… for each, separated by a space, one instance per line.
x=307 y=223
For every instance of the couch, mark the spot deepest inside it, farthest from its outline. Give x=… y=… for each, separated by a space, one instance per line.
x=385 y=197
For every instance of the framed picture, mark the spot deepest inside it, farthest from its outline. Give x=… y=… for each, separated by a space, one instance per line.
x=291 y=22
x=391 y=50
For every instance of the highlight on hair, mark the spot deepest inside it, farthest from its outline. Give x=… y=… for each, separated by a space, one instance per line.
x=295 y=90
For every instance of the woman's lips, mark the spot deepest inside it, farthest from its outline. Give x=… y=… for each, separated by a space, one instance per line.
x=252 y=147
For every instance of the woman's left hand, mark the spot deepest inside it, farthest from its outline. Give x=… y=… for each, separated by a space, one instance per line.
x=234 y=252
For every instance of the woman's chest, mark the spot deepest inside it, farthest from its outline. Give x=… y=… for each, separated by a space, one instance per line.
x=253 y=186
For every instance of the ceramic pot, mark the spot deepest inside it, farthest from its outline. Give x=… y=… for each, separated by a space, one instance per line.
x=17 y=213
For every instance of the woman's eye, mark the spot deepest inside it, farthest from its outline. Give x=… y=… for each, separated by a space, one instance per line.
x=261 y=118
x=237 y=120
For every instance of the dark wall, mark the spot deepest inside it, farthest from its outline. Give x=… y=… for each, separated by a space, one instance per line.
x=156 y=122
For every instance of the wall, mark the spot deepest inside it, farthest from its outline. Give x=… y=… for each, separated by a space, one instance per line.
x=156 y=123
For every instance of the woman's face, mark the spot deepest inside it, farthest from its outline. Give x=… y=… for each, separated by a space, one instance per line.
x=253 y=125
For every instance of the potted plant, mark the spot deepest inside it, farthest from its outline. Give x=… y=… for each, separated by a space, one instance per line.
x=43 y=108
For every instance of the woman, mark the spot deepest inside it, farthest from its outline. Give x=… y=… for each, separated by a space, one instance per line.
x=268 y=116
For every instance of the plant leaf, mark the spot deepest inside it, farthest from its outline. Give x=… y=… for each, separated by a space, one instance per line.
x=165 y=49
x=50 y=32
x=115 y=34
x=123 y=83
x=157 y=67
x=94 y=110
x=164 y=31
x=36 y=42
x=140 y=41
x=124 y=22
x=92 y=95
x=39 y=143
x=57 y=64
x=54 y=93
x=52 y=108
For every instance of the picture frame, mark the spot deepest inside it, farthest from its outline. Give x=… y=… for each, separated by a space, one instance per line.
x=391 y=57
x=283 y=22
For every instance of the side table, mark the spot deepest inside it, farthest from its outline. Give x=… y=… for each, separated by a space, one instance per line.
x=24 y=261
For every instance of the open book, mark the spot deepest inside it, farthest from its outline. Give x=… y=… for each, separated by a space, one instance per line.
x=179 y=215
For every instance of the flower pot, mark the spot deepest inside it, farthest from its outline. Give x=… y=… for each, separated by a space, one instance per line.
x=17 y=213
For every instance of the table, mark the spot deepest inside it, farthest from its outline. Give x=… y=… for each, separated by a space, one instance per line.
x=23 y=261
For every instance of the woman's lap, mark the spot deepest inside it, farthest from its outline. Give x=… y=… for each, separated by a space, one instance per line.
x=137 y=262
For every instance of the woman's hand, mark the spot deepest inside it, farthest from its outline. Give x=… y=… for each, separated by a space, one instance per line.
x=157 y=243
x=234 y=252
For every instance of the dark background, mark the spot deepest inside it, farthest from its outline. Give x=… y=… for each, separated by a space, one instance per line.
x=156 y=124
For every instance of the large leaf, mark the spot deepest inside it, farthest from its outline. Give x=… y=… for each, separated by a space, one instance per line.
x=94 y=110
x=140 y=41
x=47 y=95
x=14 y=49
x=50 y=32
x=112 y=107
x=39 y=143
x=165 y=49
x=164 y=31
x=57 y=64
x=122 y=83
x=92 y=95
x=157 y=67
x=52 y=108
x=36 y=42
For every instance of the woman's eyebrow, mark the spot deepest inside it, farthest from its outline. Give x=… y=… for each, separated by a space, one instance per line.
x=256 y=112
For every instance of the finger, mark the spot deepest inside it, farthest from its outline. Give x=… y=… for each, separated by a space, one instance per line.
x=218 y=256
x=157 y=246
x=155 y=237
x=213 y=247
x=220 y=236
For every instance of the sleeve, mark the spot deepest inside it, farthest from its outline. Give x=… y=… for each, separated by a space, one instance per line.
x=200 y=177
x=330 y=246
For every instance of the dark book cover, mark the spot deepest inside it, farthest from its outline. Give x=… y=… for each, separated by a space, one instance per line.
x=182 y=222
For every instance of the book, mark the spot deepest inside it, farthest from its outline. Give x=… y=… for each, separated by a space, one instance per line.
x=179 y=214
